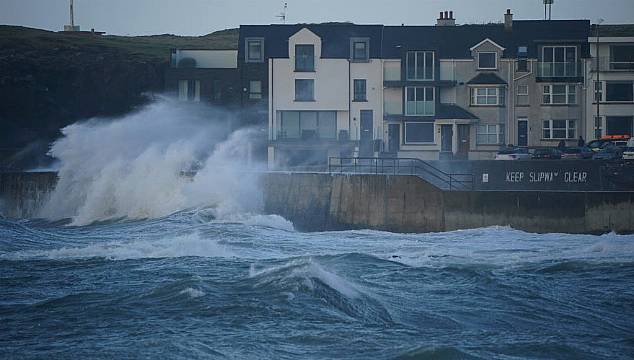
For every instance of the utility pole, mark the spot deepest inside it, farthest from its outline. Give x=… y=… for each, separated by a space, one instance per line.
x=72 y=15
x=598 y=87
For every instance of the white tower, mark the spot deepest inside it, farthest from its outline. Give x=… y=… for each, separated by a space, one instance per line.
x=72 y=26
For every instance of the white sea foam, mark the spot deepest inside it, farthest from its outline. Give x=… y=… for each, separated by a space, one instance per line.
x=193 y=293
x=133 y=167
x=192 y=245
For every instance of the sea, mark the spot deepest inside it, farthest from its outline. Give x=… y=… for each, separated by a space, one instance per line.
x=190 y=286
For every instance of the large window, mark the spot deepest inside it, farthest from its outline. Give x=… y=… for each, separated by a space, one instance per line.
x=420 y=65
x=490 y=134
x=559 y=129
x=522 y=95
x=559 y=61
x=360 y=93
x=304 y=90
x=308 y=125
x=560 y=94
x=598 y=91
x=622 y=57
x=619 y=125
x=487 y=60
x=304 y=58
x=254 y=50
x=488 y=96
x=619 y=91
x=418 y=132
x=420 y=101
x=360 y=49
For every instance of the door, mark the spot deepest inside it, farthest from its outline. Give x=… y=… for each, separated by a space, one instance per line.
x=463 y=142
x=366 y=136
x=394 y=138
x=522 y=132
x=446 y=142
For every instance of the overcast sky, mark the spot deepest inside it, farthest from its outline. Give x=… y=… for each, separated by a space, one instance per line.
x=197 y=17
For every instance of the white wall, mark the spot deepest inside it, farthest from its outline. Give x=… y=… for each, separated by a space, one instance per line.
x=207 y=59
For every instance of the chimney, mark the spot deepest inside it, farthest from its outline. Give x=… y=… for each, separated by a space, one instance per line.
x=446 y=19
x=508 y=20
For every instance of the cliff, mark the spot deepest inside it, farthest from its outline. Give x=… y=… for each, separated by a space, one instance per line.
x=49 y=80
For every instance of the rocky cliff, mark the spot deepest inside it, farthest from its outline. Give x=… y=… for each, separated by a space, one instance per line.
x=49 y=80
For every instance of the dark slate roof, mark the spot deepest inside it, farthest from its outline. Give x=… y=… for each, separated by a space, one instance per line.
x=451 y=111
x=621 y=30
x=335 y=38
x=455 y=42
x=486 y=79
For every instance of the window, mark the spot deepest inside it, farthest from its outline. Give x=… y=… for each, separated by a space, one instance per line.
x=488 y=96
x=305 y=58
x=255 y=90
x=189 y=90
x=359 y=49
x=559 y=129
x=254 y=50
x=420 y=101
x=622 y=57
x=490 y=134
x=420 y=65
x=305 y=90
x=559 y=61
x=560 y=94
x=598 y=91
x=522 y=95
x=416 y=132
x=618 y=125
x=360 y=90
x=308 y=125
x=619 y=91
x=487 y=60
x=598 y=127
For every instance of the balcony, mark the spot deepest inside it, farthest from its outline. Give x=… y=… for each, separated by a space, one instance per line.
x=559 y=70
x=392 y=73
x=607 y=64
x=393 y=108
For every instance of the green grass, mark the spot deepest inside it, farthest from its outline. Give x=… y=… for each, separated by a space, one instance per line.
x=153 y=47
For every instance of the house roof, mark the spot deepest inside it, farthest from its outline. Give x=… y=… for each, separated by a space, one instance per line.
x=455 y=42
x=486 y=79
x=335 y=38
x=487 y=40
x=452 y=111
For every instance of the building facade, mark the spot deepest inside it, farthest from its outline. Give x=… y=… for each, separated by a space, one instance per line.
x=610 y=81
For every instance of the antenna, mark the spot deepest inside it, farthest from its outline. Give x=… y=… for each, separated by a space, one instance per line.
x=548 y=9
x=282 y=15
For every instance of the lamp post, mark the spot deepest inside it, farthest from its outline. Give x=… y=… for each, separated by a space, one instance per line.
x=598 y=87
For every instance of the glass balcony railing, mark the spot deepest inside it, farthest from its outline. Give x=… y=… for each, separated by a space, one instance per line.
x=392 y=74
x=559 y=69
x=393 y=108
x=608 y=64
x=421 y=108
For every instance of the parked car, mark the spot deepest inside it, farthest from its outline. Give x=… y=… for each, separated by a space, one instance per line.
x=577 y=153
x=628 y=153
x=547 y=153
x=611 y=152
x=598 y=145
x=513 y=154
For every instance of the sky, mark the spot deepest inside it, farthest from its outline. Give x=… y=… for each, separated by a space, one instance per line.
x=198 y=17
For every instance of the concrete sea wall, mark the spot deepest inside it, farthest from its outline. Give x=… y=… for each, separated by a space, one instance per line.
x=315 y=202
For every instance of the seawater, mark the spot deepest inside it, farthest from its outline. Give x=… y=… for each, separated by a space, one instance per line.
x=251 y=287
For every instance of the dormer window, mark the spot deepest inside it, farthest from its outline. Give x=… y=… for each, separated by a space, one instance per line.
x=254 y=49
x=360 y=49
x=304 y=58
x=487 y=60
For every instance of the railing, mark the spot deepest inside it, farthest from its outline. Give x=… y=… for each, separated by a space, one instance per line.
x=393 y=108
x=392 y=73
x=606 y=64
x=401 y=166
x=421 y=108
x=559 y=69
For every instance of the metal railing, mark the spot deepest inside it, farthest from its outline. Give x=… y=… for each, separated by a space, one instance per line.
x=606 y=64
x=559 y=69
x=401 y=166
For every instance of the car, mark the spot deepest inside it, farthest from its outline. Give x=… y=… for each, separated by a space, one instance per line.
x=628 y=153
x=582 y=152
x=513 y=154
x=547 y=153
x=609 y=153
x=598 y=145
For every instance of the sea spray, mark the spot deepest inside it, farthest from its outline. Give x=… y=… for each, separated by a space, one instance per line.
x=140 y=166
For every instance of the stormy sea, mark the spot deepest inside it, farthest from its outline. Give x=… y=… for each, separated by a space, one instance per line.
x=140 y=252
